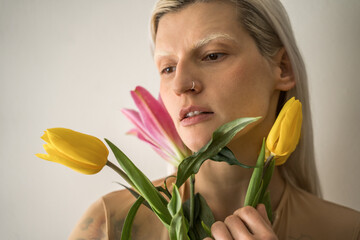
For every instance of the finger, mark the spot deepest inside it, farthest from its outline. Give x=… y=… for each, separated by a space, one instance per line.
x=237 y=228
x=262 y=210
x=220 y=231
x=253 y=220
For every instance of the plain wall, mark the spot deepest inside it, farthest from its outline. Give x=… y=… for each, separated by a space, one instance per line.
x=72 y=64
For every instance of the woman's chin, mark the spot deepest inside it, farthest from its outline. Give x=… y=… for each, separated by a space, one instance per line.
x=197 y=136
x=195 y=143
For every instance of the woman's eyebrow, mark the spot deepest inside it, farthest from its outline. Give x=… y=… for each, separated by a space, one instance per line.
x=160 y=53
x=213 y=36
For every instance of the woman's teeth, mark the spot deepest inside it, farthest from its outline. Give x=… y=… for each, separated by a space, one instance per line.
x=191 y=114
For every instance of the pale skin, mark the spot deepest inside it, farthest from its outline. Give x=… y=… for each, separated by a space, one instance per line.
x=204 y=43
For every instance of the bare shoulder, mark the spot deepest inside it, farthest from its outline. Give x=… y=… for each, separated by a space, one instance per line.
x=318 y=218
x=105 y=217
x=325 y=207
x=92 y=225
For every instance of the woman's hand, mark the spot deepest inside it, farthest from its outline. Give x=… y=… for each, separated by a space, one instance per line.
x=245 y=223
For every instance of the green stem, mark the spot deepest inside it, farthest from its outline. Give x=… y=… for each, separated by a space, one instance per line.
x=266 y=165
x=192 y=201
x=121 y=173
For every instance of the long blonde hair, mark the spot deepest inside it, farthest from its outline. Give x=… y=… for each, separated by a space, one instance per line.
x=268 y=24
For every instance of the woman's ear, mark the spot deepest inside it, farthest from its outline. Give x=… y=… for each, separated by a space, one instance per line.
x=285 y=79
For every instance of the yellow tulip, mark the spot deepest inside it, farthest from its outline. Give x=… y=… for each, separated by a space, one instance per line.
x=285 y=133
x=80 y=152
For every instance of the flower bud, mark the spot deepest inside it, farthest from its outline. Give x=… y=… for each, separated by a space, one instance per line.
x=285 y=133
x=80 y=152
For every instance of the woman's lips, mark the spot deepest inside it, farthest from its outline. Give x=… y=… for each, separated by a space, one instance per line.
x=188 y=121
x=193 y=115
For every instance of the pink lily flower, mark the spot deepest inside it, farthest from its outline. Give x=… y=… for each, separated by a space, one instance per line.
x=154 y=125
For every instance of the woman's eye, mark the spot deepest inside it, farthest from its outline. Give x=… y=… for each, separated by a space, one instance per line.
x=168 y=70
x=213 y=56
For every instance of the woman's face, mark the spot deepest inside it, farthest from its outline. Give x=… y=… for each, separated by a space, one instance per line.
x=205 y=44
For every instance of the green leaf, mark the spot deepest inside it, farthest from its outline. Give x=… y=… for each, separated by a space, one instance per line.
x=268 y=172
x=206 y=218
x=186 y=207
x=256 y=178
x=164 y=190
x=220 y=138
x=202 y=213
x=186 y=210
x=226 y=155
x=178 y=229
x=206 y=229
x=136 y=195
x=266 y=201
x=126 y=229
x=165 y=185
x=143 y=185
x=121 y=173
x=257 y=195
x=175 y=203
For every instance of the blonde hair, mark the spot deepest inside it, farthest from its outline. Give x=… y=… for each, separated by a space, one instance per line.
x=268 y=24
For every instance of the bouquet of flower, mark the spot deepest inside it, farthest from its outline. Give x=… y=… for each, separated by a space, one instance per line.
x=193 y=218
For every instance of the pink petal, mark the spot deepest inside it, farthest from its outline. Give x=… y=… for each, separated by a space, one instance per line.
x=134 y=117
x=158 y=112
x=141 y=133
x=161 y=118
x=168 y=156
x=142 y=137
x=154 y=125
x=151 y=114
x=173 y=134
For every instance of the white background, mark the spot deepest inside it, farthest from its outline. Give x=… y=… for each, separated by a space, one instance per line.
x=72 y=64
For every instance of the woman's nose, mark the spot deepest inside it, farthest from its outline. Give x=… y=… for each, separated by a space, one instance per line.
x=186 y=78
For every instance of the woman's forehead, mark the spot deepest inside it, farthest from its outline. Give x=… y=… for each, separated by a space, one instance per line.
x=207 y=11
x=202 y=22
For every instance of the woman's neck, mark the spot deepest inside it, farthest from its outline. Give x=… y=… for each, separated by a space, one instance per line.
x=224 y=186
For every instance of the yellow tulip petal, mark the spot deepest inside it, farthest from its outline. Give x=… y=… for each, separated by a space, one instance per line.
x=74 y=165
x=280 y=160
x=52 y=152
x=43 y=156
x=45 y=137
x=298 y=124
x=273 y=137
x=284 y=110
x=285 y=138
x=291 y=128
x=55 y=156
